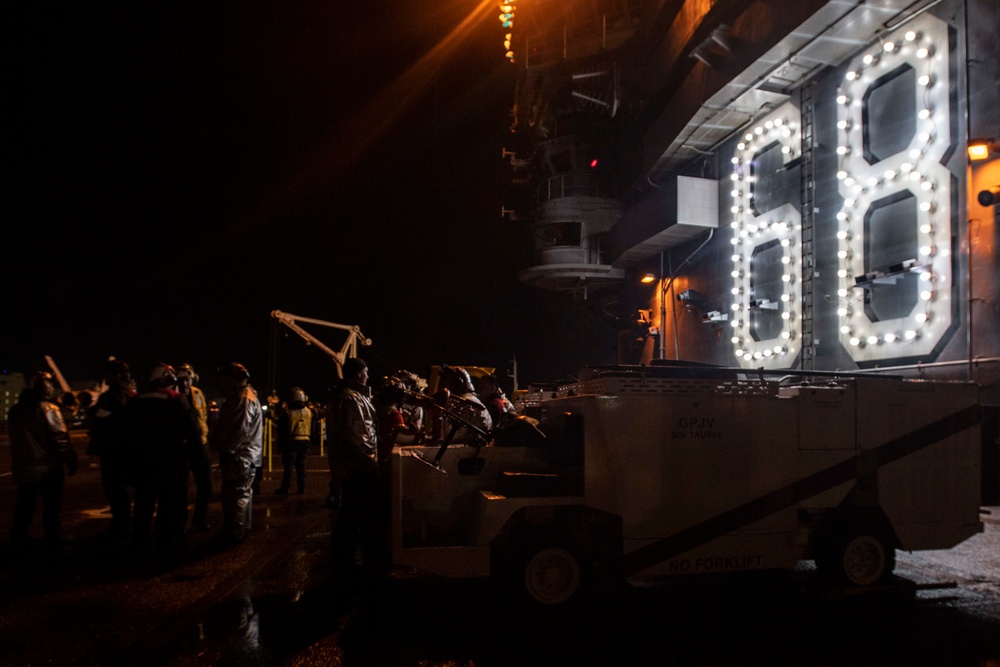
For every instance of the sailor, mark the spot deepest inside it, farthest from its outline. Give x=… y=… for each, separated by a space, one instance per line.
x=41 y=455
x=199 y=456
x=463 y=401
x=296 y=430
x=239 y=438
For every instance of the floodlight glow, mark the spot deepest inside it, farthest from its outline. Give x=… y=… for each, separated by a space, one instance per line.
x=979 y=149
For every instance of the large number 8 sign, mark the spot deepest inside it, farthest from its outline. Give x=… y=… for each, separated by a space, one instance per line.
x=894 y=228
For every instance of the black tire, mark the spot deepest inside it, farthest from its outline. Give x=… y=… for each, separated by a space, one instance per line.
x=553 y=574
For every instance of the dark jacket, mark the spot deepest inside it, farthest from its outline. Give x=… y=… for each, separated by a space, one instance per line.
x=105 y=421
x=239 y=427
x=39 y=439
x=159 y=427
x=353 y=427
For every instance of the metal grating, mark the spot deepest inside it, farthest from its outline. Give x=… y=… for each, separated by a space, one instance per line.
x=653 y=386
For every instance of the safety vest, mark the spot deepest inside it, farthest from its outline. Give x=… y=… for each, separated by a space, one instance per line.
x=300 y=423
x=201 y=405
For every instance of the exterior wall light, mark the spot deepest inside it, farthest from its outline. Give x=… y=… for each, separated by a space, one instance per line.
x=980 y=149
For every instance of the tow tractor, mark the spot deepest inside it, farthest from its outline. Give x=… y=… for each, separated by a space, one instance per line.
x=684 y=469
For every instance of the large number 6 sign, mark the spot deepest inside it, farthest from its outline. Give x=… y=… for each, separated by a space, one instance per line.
x=767 y=248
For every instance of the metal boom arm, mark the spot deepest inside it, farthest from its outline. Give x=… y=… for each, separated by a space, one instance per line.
x=350 y=347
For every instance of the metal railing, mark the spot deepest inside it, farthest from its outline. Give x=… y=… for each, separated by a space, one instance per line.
x=568 y=185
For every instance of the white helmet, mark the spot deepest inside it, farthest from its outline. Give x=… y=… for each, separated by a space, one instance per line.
x=163 y=375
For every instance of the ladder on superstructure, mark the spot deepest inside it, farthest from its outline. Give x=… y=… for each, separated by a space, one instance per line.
x=808 y=218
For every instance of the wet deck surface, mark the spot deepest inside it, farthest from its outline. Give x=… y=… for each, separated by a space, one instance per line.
x=114 y=605
x=275 y=600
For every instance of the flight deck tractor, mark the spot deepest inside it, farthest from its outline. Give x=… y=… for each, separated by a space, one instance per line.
x=672 y=471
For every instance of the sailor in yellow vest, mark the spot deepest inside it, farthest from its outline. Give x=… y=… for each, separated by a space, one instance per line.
x=296 y=427
x=199 y=455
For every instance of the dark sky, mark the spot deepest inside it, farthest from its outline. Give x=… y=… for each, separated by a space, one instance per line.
x=174 y=174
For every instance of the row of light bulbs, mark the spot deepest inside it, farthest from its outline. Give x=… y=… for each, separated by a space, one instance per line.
x=507 y=21
x=748 y=231
x=908 y=170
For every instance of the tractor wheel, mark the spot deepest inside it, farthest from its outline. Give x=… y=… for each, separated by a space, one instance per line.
x=858 y=557
x=553 y=575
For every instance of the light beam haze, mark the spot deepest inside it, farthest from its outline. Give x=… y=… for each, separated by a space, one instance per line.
x=345 y=143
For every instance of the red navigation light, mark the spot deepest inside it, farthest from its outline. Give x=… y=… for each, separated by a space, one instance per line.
x=593 y=163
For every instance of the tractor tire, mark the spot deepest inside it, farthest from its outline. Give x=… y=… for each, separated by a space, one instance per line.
x=553 y=575
x=858 y=557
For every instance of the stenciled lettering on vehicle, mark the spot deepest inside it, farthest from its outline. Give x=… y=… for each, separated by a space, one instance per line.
x=695 y=427
x=715 y=564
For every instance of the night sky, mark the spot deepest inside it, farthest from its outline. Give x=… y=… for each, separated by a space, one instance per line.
x=176 y=173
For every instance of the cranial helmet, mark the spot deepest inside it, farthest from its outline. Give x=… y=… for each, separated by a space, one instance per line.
x=299 y=396
x=163 y=375
x=186 y=371
x=38 y=380
x=234 y=371
x=391 y=390
x=116 y=369
x=456 y=378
